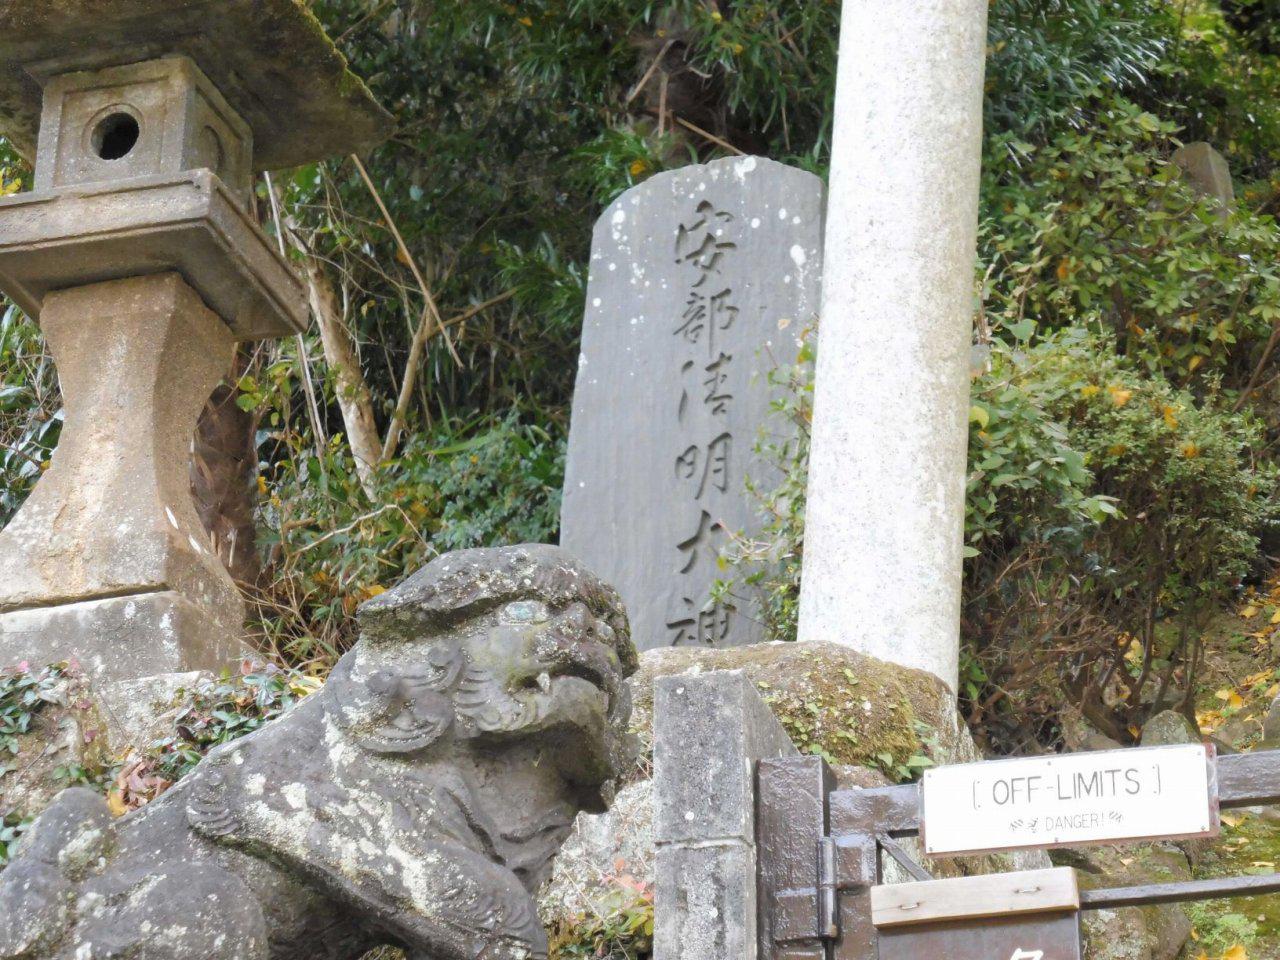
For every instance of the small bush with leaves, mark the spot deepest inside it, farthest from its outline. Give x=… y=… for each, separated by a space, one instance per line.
x=493 y=483
x=1102 y=501
x=221 y=710
x=764 y=572
x=621 y=928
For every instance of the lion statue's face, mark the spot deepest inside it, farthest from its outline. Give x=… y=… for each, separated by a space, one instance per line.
x=490 y=646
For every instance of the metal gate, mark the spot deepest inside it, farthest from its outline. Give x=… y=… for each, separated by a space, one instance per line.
x=819 y=858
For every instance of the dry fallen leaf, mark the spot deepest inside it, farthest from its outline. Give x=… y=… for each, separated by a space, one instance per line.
x=116 y=804
x=1230 y=698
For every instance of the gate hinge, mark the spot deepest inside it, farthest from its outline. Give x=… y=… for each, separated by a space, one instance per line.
x=828 y=889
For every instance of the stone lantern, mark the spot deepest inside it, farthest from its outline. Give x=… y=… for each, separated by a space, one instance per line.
x=139 y=255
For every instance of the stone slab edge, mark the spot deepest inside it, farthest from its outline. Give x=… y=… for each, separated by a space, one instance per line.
x=710 y=731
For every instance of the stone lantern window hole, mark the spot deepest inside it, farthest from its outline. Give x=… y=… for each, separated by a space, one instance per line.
x=113 y=137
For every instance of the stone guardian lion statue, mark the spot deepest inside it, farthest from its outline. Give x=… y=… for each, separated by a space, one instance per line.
x=416 y=801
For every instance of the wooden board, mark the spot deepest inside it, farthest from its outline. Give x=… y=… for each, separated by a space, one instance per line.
x=1034 y=937
x=969 y=898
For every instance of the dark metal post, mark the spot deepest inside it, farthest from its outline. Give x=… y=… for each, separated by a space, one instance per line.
x=791 y=822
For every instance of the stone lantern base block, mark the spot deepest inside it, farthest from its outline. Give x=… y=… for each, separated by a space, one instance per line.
x=188 y=223
x=121 y=638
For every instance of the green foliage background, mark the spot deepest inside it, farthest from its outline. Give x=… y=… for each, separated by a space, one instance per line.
x=1124 y=414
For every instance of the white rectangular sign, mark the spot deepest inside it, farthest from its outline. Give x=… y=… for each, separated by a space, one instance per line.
x=1070 y=800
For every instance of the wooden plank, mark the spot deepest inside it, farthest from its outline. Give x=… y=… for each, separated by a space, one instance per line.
x=970 y=898
x=1046 y=936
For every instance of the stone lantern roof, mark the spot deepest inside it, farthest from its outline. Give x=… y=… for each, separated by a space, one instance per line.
x=270 y=59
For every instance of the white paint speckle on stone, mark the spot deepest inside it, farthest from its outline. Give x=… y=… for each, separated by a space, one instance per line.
x=743 y=167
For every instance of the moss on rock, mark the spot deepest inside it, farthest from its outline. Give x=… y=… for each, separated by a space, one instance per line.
x=833 y=701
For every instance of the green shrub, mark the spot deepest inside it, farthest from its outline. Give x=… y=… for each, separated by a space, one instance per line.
x=221 y=710
x=11 y=830
x=30 y=407
x=1102 y=500
x=1099 y=230
x=764 y=573
x=621 y=928
x=458 y=486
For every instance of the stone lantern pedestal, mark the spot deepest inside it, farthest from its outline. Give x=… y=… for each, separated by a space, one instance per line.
x=138 y=253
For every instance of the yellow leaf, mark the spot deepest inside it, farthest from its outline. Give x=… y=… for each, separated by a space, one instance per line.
x=1188 y=449
x=1231 y=820
x=1089 y=390
x=1230 y=698
x=1117 y=450
x=1120 y=396
x=979 y=416
x=1236 y=953
x=527 y=21
x=1249 y=612
x=116 y=804
x=1170 y=418
x=1064 y=269
x=638 y=167
x=1194 y=363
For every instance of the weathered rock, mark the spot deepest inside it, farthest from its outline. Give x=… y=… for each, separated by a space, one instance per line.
x=858 y=709
x=1168 y=729
x=1078 y=734
x=1208 y=172
x=416 y=801
x=701 y=280
x=1271 y=727
x=1131 y=933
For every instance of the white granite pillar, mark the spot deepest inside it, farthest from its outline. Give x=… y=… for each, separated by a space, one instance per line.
x=884 y=533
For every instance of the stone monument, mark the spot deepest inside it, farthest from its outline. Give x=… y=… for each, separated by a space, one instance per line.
x=417 y=801
x=139 y=255
x=701 y=281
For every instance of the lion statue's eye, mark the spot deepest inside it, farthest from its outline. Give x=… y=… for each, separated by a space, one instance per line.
x=526 y=611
